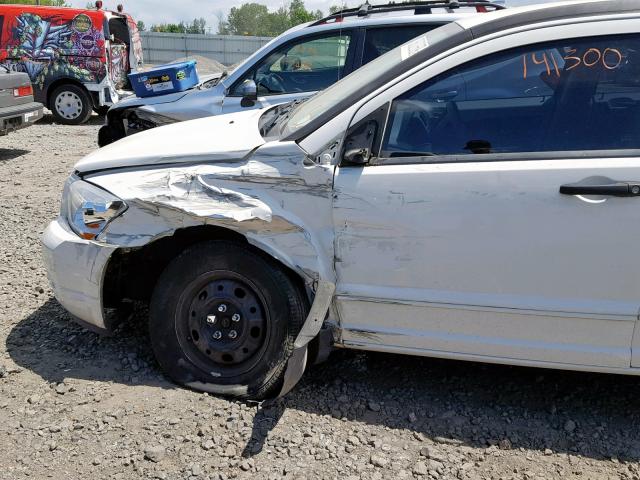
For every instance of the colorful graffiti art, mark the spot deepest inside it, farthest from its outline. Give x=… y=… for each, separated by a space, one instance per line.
x=119 y=65
x=52 y=47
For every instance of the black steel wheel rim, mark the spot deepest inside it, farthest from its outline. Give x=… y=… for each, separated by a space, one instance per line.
x=222 y=324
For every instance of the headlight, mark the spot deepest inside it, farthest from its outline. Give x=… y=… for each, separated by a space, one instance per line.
x=89 y=209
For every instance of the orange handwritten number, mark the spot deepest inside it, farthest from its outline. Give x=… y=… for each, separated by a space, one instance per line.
x=569 y=57
x=604 y=58
x=591 y=57
x=544 y=60
x=555 y=64
x=591 y=51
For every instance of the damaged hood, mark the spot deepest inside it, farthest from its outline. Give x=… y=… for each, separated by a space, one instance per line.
x=135 y=101
x=220 y=138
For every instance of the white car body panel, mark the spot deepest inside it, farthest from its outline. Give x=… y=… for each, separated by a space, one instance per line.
x=461 y=268
x=556 y=312
x=205 y=139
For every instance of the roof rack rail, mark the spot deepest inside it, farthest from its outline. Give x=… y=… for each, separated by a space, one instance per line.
x=420 y=7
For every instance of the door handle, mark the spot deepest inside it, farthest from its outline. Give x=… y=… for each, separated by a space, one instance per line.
x=613 y=189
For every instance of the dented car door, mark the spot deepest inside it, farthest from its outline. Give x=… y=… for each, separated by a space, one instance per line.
x=494 y=215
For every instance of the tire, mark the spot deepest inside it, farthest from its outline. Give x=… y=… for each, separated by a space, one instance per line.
x=105 y=136
x=112 y=131
x=224 y=318
x=71 y=105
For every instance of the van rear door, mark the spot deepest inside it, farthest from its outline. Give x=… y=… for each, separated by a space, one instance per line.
x=136 y=56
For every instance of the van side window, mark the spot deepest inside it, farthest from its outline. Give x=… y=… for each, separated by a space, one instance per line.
x=306 y=66
x=571 y=95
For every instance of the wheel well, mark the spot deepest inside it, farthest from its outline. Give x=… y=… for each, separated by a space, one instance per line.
x=132 y=274
x=64 y=81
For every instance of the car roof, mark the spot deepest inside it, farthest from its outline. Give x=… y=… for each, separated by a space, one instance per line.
x=367 y=11
x=481 y=25
x=395 y=19
x=437 y=12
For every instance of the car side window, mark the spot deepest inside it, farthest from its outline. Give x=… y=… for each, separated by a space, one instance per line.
x=305 y=66
x=570 y=95
x=379 y=41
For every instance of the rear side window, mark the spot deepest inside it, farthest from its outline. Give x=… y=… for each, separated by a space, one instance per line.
x=379 y=41
x=570 y=95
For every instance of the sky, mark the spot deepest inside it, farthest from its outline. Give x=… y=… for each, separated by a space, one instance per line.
x=173 y=11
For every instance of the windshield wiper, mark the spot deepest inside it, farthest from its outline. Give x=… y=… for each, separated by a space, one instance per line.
x=285 y=114
x=280 y=114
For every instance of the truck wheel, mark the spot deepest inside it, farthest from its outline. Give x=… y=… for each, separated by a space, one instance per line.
x=71 y=105
x=223 y=320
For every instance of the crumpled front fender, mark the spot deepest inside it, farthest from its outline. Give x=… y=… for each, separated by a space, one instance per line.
x=277 y=198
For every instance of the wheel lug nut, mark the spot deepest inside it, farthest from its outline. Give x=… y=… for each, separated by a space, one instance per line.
x=236 y=317
x=222 y=308
x=233 y=334
x=217 y=335
x=211 y=319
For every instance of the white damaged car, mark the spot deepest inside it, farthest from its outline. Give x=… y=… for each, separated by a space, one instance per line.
x=472 y=194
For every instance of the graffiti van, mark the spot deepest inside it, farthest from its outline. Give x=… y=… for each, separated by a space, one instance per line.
x=78 y=60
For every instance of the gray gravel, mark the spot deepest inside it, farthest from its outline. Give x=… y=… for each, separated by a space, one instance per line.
x=76 y=405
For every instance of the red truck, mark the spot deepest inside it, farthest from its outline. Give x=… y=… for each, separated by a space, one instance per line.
x=78 y=59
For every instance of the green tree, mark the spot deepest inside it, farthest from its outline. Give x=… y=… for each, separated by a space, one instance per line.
x=169 y=27
x=299 y=14
x=278 y=22
x=141 y=26
x=256 y=19
x=248 y=19
x=198 y=26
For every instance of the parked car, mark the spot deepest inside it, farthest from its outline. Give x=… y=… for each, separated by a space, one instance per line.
x=295 y=65
x=17 y=107
x=77 y=59
x=419 y=206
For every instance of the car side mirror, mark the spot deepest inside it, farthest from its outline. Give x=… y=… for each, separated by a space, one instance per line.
x=363 y=140
x=249 y=92
x=359 y=143
x=357 y=156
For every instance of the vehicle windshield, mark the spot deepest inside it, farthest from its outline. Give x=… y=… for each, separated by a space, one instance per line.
x=362 y=78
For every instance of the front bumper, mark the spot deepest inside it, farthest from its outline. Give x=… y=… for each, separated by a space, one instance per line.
x=76 y=268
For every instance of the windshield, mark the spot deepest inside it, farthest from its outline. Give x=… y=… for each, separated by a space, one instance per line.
x=362 y=78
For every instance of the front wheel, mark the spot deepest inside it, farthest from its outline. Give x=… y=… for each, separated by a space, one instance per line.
x=224 y=318
x=71 y=105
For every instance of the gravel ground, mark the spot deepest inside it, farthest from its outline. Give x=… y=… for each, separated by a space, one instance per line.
x=77 y=405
